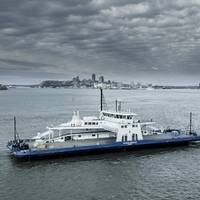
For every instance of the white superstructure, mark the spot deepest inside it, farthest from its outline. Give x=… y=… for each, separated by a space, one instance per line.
x=115 y=126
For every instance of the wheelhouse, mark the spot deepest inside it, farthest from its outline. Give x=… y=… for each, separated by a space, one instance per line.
x=118 y=115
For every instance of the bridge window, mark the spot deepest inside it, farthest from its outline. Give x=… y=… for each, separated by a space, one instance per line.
x=68 y=138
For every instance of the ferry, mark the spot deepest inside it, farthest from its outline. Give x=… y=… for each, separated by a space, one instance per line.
x=110 y=131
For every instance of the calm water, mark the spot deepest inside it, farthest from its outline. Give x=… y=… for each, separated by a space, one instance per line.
x=170 y=173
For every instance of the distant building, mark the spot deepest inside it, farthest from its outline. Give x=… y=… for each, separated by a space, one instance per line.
x=93 y=77
x=93 y=82
x=76 y=79
x=101 y=79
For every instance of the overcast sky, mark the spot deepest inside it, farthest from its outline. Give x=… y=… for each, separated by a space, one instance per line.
x=154 y=41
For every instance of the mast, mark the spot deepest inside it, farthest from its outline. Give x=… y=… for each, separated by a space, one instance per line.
x=15 y=129
x=101 y=99
x=116 y=104
x=120 y=106
x=190 y=123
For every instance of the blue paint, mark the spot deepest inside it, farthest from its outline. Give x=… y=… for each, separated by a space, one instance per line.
x=31 y=153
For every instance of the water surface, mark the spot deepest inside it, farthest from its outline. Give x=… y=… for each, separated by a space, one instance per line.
x=170 y=173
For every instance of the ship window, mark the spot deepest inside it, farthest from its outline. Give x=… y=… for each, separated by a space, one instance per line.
x=68 y=138
x=133 y=137
x=93 y=135
x=120 y=116
x=122 y=126
x=125 y=138
x=125 y=126
x=96 y=123
x=85 y=123
x=79 y=135
x=93 y=123
x=89 y=123
x=133 y=125
x=124 y=117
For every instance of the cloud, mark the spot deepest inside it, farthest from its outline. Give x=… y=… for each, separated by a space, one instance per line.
x=127 y=10
x=125 y=39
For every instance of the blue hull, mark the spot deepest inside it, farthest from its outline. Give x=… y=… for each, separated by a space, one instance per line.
x=103 y=148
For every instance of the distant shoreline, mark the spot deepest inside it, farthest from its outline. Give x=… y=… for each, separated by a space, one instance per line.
x=147 y=88
x=99 y=82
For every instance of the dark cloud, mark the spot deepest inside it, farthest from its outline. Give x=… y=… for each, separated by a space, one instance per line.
x=150 y=40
